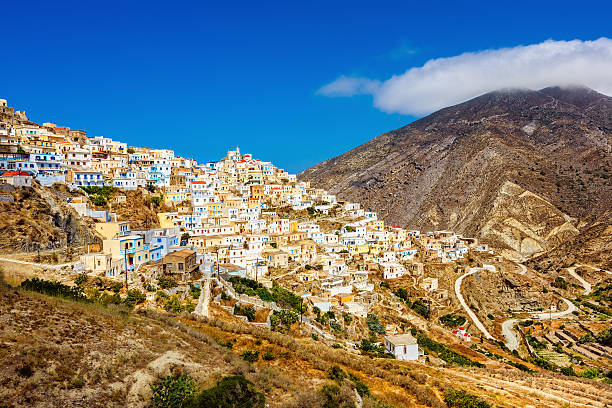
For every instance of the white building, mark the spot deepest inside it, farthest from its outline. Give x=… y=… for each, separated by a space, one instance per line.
x=403 y=347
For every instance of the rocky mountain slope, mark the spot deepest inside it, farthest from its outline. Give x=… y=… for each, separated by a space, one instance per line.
x=35 y=218
x=451 y=169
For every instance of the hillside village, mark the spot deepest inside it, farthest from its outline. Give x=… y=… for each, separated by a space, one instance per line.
x=243 y=237
x=241 y=216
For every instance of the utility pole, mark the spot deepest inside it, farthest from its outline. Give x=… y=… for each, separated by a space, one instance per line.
x=301 y=303
x=126 y=267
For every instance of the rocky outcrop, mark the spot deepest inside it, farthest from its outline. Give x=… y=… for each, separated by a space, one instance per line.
x=39 y=219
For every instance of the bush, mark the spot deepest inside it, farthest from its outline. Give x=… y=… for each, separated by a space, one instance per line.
x=230 y=392
x=268 y=356
x=420 y=308
x=250 y=355
x=402 y=294
x=81 y=279
x=452 y=320
x=283 y=317
x=174 y=305
x=545 y=364
x=116 y=287
x=605 y=337
x=569 y=371
x=54 y=288
x=461 y=399
x=337 y=374
x=166 y=282
x=560 y=283
x=248 y=311
x=194 y=290
x=590 y=372
x=134 y=297
x=374 y=324
x=173 y=392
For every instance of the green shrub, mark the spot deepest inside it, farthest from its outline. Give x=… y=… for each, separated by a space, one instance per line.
x=250 y=355
x=54 y=288
x=268 y=356
x=116 y=287
x=420 y=308
x=461 y=399
x=361 y=388
x=605 y=337
x=134 y=297
x=230 y=392
x=166 y=282
x=569 y=371
x=337 y=374
x=452 y=320
x=194 y=290
x=374 y=324
x=248 y=311
x=545 y=364
x=174 y=305
x=173 y=392
x=402 y=294
x=283 y=317
x=81 y=279
x=590 y=372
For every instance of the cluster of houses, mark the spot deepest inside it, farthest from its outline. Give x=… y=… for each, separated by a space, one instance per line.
x=245 y=216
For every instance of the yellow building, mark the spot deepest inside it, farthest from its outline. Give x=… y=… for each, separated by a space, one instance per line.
x=378 y=225
x=169 y=220
x=109 y=230
x=292 y=226
x=174 y=197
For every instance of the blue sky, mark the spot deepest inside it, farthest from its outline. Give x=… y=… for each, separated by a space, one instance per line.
x=200 y=77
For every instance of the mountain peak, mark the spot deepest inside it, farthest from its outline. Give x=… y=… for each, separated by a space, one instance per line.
x=577 y=95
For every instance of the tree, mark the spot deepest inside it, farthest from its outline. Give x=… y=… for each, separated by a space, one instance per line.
x=130 y=150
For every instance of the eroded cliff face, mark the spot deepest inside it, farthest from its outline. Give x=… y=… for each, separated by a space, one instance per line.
x=39 y=218
x=451 y=169
x=521 y=223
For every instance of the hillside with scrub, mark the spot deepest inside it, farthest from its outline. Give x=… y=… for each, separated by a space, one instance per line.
x=61 y=349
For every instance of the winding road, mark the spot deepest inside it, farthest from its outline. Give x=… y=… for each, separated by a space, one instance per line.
x=512 y=340
x=469 y=311
x=586 y=285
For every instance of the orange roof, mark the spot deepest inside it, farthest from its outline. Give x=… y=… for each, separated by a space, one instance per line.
x=15 y=173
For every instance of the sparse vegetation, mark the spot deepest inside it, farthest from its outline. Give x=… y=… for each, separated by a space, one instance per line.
x=445 y=353
x=462 y=399
x=452 y=320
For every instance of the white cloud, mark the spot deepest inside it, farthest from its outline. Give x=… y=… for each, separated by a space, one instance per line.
x=350 y=86
x=443 y=82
